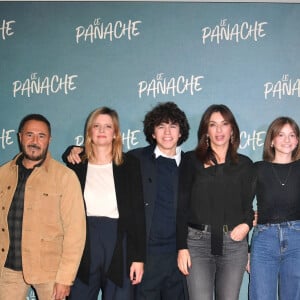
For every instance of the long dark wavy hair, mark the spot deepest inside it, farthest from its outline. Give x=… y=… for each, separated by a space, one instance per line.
x=204 y=152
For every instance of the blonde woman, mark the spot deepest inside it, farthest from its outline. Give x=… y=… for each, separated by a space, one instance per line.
x=113 y=260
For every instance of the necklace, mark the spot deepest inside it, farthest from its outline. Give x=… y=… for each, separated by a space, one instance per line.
x=282 y=183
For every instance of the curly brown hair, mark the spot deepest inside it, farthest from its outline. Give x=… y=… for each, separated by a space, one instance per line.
x=166 y=112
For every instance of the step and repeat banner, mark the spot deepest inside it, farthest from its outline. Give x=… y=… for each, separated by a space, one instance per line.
x=64 y=59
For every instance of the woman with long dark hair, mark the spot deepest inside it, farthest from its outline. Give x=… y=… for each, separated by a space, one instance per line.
x=215 y=209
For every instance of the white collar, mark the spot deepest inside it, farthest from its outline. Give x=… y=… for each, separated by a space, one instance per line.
x=177 y=156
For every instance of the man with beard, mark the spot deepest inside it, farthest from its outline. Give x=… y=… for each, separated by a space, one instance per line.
x=42 y=219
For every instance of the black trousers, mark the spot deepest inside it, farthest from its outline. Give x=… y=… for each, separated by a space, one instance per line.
x=162 y=279
x=103 y=235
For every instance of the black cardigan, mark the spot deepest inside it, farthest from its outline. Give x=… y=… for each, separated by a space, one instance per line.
x=131 y=221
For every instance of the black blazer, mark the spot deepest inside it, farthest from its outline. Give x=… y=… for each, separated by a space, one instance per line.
x=129 y=193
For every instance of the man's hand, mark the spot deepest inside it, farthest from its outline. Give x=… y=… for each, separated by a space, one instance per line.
x=136 y=272
x=184 y=261
x=60 y=291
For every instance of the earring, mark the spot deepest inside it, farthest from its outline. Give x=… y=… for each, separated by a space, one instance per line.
x=207 y=140
x=231 y=139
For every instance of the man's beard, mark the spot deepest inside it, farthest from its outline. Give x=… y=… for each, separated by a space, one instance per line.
x=33 y=157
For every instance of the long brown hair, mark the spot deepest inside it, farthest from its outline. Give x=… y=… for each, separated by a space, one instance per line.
x=117 y=146
x=273 y=130
x=203 y=150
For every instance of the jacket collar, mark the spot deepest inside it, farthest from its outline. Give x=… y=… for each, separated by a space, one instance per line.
x=44 y=163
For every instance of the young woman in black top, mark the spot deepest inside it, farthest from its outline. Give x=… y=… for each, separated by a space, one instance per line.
x=215 y=209
x=275 y=247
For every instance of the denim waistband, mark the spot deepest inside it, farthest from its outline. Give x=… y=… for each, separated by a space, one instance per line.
x=282 y=224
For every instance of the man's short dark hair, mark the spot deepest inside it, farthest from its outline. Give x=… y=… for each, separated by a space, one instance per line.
x=165 y=113
x=35 y=117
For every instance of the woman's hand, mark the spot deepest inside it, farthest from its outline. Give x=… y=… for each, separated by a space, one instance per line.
x=136 y=272
x=184 y=261
x=248 y=264
x=239 y=232
x=255 y=218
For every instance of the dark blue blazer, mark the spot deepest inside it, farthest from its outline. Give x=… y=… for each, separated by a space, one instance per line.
x=147 y=160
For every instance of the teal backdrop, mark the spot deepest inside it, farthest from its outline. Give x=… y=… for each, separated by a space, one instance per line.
x=64 y=59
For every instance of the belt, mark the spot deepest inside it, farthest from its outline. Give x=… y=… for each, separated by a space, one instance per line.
x=207 y=228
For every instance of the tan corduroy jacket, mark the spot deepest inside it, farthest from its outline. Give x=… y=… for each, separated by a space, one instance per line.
x=53 y=231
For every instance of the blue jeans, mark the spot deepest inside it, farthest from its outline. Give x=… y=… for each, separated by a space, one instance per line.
x=213 y=276
x=275 y=261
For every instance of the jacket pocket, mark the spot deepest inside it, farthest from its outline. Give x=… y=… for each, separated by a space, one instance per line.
x=51 y=251
x=50 y=208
